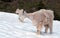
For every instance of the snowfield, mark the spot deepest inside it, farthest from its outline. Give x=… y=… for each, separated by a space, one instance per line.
x=11 y=27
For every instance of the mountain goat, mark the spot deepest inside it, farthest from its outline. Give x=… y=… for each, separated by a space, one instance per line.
x=39 y=18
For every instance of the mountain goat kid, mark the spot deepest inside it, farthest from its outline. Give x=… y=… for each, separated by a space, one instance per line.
x=39 y=18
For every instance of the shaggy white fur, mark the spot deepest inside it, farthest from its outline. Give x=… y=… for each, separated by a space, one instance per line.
x=39 y=18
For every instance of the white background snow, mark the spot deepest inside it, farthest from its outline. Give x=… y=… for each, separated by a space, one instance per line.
x=11 y=27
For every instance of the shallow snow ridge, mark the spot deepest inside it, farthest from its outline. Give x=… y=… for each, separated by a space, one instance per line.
x=11 y=27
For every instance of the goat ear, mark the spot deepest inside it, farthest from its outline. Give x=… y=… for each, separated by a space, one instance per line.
x=24 y=12
x=17 y=11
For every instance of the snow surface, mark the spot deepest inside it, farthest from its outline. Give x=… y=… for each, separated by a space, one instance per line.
x=11 y=27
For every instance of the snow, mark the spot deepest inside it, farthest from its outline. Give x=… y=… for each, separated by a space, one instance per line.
x=11 y=27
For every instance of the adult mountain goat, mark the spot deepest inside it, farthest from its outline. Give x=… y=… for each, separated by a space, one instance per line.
x=39 y=18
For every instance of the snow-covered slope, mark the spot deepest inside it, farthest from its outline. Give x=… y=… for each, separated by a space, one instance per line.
x=11 y=27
